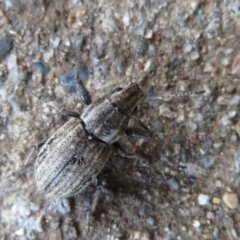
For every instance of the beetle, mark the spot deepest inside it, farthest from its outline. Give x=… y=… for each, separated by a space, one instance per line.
x=75 y=154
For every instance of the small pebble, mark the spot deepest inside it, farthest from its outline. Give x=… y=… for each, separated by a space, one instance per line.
x=236 y=65
x=178 y=42
x=237 y=128
x=203 y=199
x=216 y=200
x=20 y=232
x=69 y=232
x=167 y=32
x=150 y=97
x=237 y=160
x=6 y=46
x=181 y=115
x=172 y=184
x=191 y=126
x=146 y=209
x=224 y=99
x=41 y=68
x=218 y=184
x=234 y=233
x=232 y=114
x=157 y=126
x=56 y=42
x=166 y=112
x=231 y=200
x=207 y=161
x=225 y=121
x=187 y=47
x=48 y=55
x=121 y=68
x=175 y=62
x=194 y=56
x=208 y=67
x=151 y=221
x=78 y=42
x=196 y=224
x=137 y=235
x=229 y=51
x=216 y=232
x=235 y=100
x=194 y=5
x=126 y=20
x=12 y=67
x=210 y=215
x=237 y=182
x=39 y=223
x=151 y=50
x=149 y=34
x=225 y=61
x=148 y=66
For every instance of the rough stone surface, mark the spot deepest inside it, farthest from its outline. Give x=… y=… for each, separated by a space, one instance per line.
x=174 y=187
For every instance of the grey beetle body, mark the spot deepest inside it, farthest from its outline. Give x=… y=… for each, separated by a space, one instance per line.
x=69 y=160
x=76 y=153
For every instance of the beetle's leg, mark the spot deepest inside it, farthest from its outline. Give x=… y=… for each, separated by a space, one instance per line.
x=122 y=152
x=40 y=144
x=99 y=189
x=93 y=205
x=35 y=147
x=138 y=132
x=69 y=113
x=82 y=91
x=65 y=112
x=140 y=122
x=97 y=193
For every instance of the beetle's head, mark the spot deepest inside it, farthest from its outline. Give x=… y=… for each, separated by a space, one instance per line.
x=127 y=98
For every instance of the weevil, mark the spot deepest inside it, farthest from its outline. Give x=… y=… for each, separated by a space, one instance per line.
x=76 y=153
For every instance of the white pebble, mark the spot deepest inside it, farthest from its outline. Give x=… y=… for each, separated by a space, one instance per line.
x=225 y=61
x=148 y=66
x=20 y=232
x=126 y=20
x=208 y=67
x=165 y=111
x=216 y=232
x=196 y=224
x=234 y=233
x=149 y=34
x=194 y=5
x=203 y=199
x=187 y=47
x=235 y=101
x=194 y=56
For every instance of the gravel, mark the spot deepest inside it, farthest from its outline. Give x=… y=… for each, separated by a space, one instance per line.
x=184 y=182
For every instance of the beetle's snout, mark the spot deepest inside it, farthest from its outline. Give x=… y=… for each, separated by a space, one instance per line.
x=127 y=99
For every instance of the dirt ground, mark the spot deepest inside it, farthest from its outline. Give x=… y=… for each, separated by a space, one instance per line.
x=184 y=183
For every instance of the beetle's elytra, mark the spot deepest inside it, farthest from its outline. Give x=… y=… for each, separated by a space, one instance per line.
x=63 y=167
x=76 y=153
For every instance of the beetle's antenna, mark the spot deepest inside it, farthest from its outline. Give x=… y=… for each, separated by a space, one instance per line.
x=139 y=49
x=178 y=95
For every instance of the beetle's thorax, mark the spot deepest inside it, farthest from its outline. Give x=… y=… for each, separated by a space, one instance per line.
x=107 y=118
